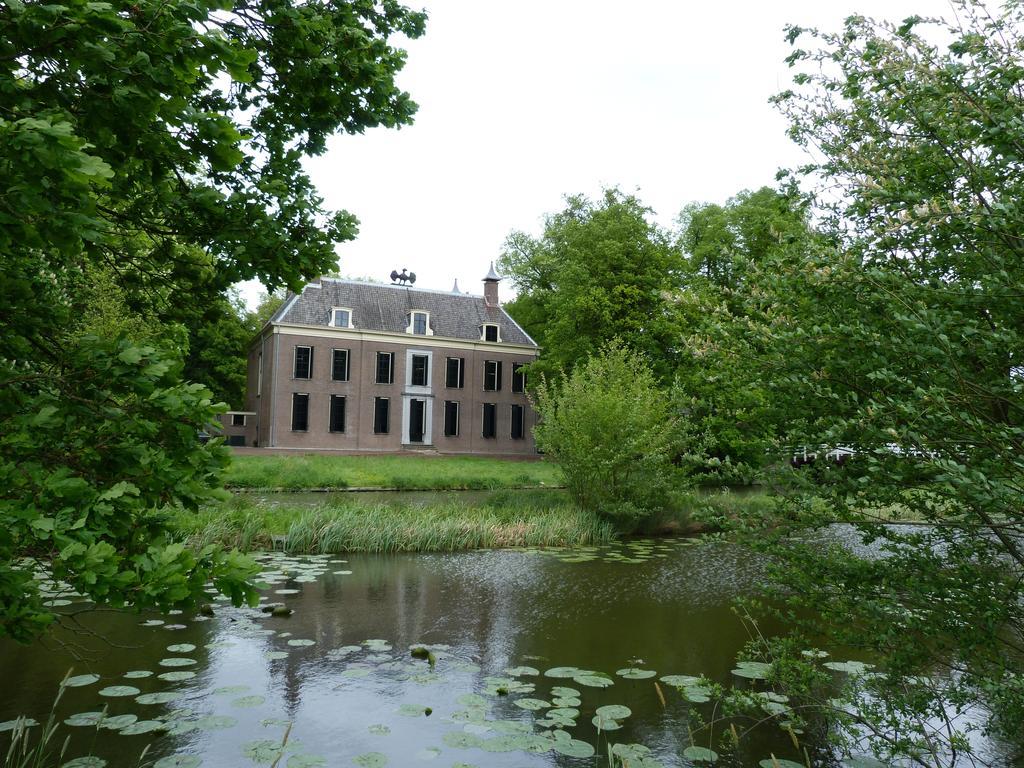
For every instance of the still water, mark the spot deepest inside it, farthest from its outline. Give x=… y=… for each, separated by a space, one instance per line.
x=337 y=675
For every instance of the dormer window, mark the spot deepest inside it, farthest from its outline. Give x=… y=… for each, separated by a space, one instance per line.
x=419 y=324
x=489 y=332
x=341 y=317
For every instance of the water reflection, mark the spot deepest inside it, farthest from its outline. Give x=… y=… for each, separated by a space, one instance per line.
x=670 y=612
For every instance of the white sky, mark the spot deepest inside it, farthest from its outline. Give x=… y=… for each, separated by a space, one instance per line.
x=524 y=102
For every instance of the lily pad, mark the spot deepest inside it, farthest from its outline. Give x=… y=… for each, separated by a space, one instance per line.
x=262 y=750
x=614 y=712
x=119 y=690
x=177 y=662
x=301 y=643
x=594 y=681
x=532 y=704
x=605 y=723
x=160 y=697
x=181 y=648
x=179 y=761
x=680 y=681
x=460 y=740
x=136 y=674
x=142 y=726
x=216 y=723
x=79 y=680
x=174 y=677
x=370 y=760
x=81 y=719
x=573 y=748
x=562 y=672
x=230 y=690
x=379 y=729
x=305 y=761
x=247 y=702
x=414 y=710
x=753 y=670
x=88 y=761
x=275 y=655
x=633 y=673
x=117 y=722
x=10 y=725
x=562 y=692
x=522 y=671
x=700 y=754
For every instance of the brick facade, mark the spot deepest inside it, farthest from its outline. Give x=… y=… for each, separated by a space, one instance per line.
x=273 y=386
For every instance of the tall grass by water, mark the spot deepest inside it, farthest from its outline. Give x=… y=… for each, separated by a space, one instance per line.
x=351 y=526
x=299 y=471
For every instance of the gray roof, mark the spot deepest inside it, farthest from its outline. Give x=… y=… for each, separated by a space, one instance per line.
x=377 y=307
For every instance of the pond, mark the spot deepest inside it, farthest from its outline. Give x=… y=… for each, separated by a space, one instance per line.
x=521 y=651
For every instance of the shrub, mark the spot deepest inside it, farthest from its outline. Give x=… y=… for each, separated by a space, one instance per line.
x=612 y=431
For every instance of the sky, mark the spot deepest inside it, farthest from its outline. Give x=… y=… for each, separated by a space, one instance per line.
x=522 y=103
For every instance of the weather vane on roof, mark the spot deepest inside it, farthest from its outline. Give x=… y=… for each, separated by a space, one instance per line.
x=405 y=278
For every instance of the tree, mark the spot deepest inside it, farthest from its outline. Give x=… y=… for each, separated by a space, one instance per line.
x=158 y=143
x=600 y=271
x=612 y=432
x=729 y=250
x=909 y=333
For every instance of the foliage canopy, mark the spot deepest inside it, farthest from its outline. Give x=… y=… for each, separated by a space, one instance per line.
x=157 y=144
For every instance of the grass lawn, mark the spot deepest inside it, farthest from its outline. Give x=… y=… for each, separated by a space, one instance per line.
x=506 y=519
x=407 y=472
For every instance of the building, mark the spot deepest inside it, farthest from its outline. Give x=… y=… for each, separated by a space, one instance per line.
x=355 y=366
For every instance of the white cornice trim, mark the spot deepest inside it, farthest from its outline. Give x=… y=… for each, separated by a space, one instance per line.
x=325 y=332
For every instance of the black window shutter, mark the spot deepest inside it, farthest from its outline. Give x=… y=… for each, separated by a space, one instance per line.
x=337 y=413
x=517 y=422
x=451 y=418
x=490 y=410
x=300 y=412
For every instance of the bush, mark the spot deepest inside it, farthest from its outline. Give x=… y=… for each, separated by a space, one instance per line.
x=612 y=431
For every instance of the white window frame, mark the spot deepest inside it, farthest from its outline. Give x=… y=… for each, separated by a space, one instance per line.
x=376 y=368
x=308 y=409
x=348 y=363
x=409 y=355
x=334 y=312
x=497 y=332
x=295 y=357
x=412 y=323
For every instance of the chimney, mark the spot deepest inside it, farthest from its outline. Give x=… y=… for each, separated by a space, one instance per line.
x=491 y=287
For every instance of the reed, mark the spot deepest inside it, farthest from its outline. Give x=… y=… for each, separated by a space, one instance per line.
x=358 y=527
x=296 y=472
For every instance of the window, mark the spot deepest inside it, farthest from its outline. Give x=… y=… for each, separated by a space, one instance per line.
x=489 y=332
x=455 y=373
x=492 y=375
x=381 y=406
x=300 y=412
x=518 y=378
x=451 y=418
x=339 y=364
x=341 y=318
x=517 y=422
x=385 y=368
x=419 y=323
x=303 y=368
x=237 y=419
x=490 y=417
x=259 y=377
x=337 y=418
x=420 y=376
